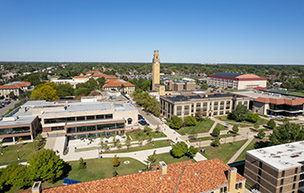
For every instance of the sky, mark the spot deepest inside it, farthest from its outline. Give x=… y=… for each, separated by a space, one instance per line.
x=194 y=31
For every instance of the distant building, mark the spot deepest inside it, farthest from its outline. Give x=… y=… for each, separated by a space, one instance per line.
x=116 y=85
x=16 y=87
x=9 y=76
x=276 y=169
x=237 y=81
x=181 y=85
x=107 y=77
x=210 y=176
x=211 y=104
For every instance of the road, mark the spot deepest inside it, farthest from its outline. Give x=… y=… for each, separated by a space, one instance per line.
x=7 y=107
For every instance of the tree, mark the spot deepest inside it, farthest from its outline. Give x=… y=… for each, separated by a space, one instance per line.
x=101 y=81
x=38 y=142
x=64 y=90
x=12 y=95
x=20 y=140
x=216 y=132
x=261 y=134
x=190 y=121
x=204 y=86
x=128 y=141
x=176 y=122
x=82 y=164
x=192 y=151
x=240 y=113
x=287 y=133
x=199 y=114
x=44 y=92
x=16 y=175
x=271 y=124
x=216 y=142
x=46 y=166
x=118 y=144
x=106 y=147
x=179 y=149
x=253 y=117
x=256 y=125
x=122 y=88
x=235 y=128
x=150 y=137
x=82 y=91
x=151 y=160
x=116 y=161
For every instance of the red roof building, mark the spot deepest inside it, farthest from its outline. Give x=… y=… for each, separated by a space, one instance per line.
x=183 y=177
x=15 y=87
x=115 y=85
x=237 y=81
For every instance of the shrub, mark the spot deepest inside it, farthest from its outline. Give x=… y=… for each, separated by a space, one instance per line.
x=216 y=132
x=82 y=164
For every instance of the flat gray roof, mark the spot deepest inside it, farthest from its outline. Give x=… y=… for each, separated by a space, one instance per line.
x=71 y=107
x=281 y=157
x=16 y=120
x=257 y=94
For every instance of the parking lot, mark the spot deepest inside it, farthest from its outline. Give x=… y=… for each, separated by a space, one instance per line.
x=7 y=107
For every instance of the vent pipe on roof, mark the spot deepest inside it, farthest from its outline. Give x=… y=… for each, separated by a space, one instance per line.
x=36 y=187
x=163 y=167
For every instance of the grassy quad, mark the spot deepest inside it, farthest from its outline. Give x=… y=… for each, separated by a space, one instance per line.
x=201 y=127
x=241 y=124
x=157 y=144
x=169 y=159
x=134 y=135
x=221 y=127
x=224 y=152
x=26 y=151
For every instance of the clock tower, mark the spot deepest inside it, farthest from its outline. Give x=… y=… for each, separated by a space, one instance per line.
x=155 y=70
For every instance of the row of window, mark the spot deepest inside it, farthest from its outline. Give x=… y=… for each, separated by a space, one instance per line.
x=80 y=118
x=95 y=135
x=16 y=130
x=95 y=128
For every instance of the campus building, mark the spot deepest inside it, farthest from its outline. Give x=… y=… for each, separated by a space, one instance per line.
x=266 y=102
x=82 y=119
x=182 y=85
x=119 y=85
x=276 y=169
x=16 y=87
x=210 y=176
x=211 y=104
x=12 y=128
x=237 y=81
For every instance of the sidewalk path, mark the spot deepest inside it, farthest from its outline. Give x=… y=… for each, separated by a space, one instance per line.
x=236 y=155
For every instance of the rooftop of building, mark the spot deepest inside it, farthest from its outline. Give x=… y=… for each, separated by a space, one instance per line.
x=81 y=77
x=71 y=107
x=281 y=157
x=188 y=97
x=181 y=177
x=16 y=84
x=254 y=94
x=117 y=83
x=17 y=120
x=235 y=75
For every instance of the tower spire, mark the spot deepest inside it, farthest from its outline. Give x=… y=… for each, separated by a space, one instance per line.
x=155 y=69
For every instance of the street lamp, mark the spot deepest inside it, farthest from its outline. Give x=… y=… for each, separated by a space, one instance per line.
x=18 y=154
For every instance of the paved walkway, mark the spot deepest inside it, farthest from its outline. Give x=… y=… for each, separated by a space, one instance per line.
x=236 y=155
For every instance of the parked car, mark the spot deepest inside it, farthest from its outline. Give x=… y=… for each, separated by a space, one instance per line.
x=143 y=123
x=140 y=117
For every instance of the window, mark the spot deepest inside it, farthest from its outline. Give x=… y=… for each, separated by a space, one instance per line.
x=295 y=178
x=90 y=117
x=240 y=185
x=294 y=186
x=260 y=164
x=282 y=181
x=129 y=121
x=296 y=170
x=281 y=189
x=259 y=179
x=198 y=105
x=283 y=173
x=236 y=186
x=260 y=171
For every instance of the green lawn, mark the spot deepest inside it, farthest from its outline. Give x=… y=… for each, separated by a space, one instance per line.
x=242 y=156
x=168 y=158
x=96 y=169
x=224 y=152
x=201 y=127
x=134 y=135
x=296 y=93
x=26 y=151
x=221 y=127
x=241 y=124
x=157 y=144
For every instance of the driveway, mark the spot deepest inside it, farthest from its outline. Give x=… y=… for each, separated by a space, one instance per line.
x=150 y=118
x=7 y=107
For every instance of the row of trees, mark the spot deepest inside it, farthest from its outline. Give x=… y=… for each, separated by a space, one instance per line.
x=177 y=123
x=148 y=102
x=50 y=91
x=43 y=166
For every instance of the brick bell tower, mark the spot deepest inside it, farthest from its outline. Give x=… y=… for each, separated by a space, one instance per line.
x=155 y=69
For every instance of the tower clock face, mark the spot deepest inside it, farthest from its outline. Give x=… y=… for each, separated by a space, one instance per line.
x=156 y=62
